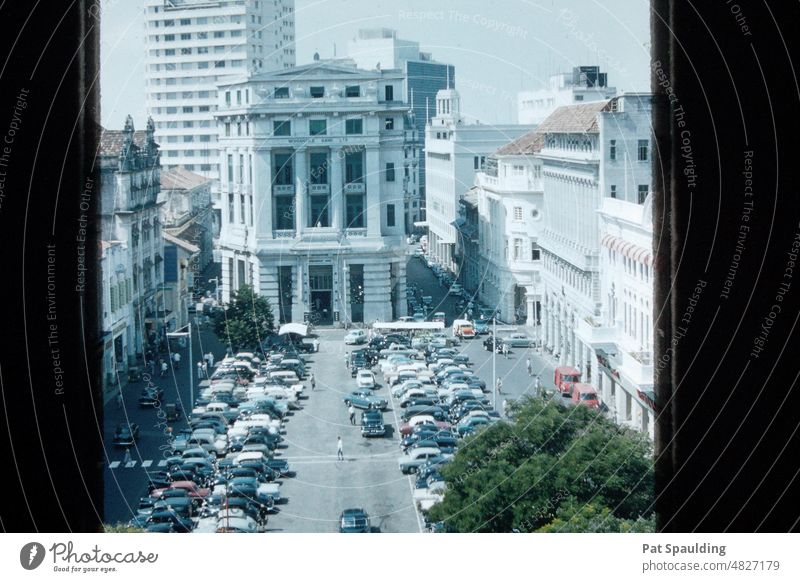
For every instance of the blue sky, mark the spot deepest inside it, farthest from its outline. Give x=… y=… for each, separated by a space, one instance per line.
x=498 y=48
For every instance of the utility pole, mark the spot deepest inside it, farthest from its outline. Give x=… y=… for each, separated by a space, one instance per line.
x=187 y=334
x=494 y=357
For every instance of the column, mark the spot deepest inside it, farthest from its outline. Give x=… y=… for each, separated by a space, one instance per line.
x=337 y=200
x=298 y=290
x=373 y=199
x=529 y=298
x=573 y=352
x=262 y=193
x=301 y=178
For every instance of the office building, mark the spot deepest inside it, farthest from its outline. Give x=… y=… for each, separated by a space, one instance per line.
x=583 y=84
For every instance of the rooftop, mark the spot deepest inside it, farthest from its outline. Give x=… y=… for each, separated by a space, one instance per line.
x=581 y=118
x=181 y=179
x=528 y=144
x=111 y=141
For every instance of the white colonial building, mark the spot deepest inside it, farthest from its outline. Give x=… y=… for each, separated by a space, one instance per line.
x=510 y=200
x=117 y=307
x=313 y=191
x=191 y=45
x=583 y=84
x=454 y=151
x=596 y=171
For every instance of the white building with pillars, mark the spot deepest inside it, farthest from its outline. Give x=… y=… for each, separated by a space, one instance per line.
x=510 y=203
x=597 y=281
x=313 y=191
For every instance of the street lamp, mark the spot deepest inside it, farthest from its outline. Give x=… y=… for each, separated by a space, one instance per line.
x=494 y=357
x=216 y=287
x=187 y=334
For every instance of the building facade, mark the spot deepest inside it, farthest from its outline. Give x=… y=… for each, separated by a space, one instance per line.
x=129 y=185
x=424 y=79
x=193 y=44
x=583 y=84
x=510 y=204
x=313 y=192
x=187 y=212
x=117 y=309
x=454 y=151
x=596 y=264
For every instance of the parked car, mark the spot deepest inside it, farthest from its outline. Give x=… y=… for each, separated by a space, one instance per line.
x=356 y=336
x=585 y=394
x=438 y=316
x=470 y=424
x=354 y=521
x=518 y=340
x=490 y=342
x=364 y=399
x=151 y=396
x=372 y=423
x=365 y=379
x=413 y=458
x=455 y=289
x=481 y=326
x=126 y=434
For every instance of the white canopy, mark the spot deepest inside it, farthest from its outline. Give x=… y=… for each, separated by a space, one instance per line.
x=298 y=328
x=408 y=325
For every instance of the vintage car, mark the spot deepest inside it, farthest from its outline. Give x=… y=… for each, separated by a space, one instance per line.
x=365 y=400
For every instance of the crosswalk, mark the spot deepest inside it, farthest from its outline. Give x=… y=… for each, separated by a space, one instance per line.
x=131 y=465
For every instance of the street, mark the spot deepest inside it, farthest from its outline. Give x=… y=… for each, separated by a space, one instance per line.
x=322 y=486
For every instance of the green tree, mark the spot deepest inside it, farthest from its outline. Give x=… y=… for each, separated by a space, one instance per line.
x=519 y=475
x=575 y=517
x=121 y=528
x=245 y=321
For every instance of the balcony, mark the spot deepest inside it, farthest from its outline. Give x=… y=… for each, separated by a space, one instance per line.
x=355 y=232
x=592 y=332
x=283 y=233
x=319 y=188
x=355 y=188
x=638 y=366
x=283 y=189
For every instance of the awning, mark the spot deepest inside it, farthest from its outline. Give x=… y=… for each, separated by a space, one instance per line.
x=628 y=249
x=296 y=328
x=421 y=223
x=408 y=325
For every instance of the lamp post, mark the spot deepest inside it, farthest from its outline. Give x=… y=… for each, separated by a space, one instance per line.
x=494 y=357
x=187 y=334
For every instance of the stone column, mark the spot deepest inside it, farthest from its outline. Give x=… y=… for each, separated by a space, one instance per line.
x=335 y=163
x=298 y=305
x=262 y=193
x=373 y=198
x=301 y=179
x=529 y=298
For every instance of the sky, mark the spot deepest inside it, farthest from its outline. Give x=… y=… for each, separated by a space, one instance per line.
x=498 y=48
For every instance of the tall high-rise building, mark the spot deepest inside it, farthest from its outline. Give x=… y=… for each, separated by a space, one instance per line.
x=583 y=84
x=191 y=45
x=373 y=47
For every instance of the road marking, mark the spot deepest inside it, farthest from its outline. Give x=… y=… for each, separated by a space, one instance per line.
x=113 y=465
x=146 y=464
x=162 y=463
x=334 y=459
x=130 y=465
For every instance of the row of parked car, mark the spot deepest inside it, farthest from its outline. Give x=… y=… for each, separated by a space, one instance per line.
x=222 y=474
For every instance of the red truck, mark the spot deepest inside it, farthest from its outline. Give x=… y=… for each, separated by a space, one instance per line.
x=585 y=394
x=564 y=378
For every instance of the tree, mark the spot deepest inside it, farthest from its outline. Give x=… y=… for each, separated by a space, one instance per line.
x=121 y=528
x=551 y=459
x=245 y=321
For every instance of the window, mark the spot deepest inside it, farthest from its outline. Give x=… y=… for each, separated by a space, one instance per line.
x=319 y=168
x=355 y=210
x=517 y=170
x=578 y=97
x=389 y=92
x=202 y=65
x=219 y=33
x=390 y=172
x=188 y=138
x=476 y=162
x=642 y=194
x=390 y=219
x=518 y=213
x=169 y=37
x=281 y=93
x=354 y=168
x=320 y=204
x=517 y=249
x=230 y=207
x=230 y=169
x=642 y=150
x=317 y=92
x=169 y=52
x=284 y=175
x=188 y=124
x=613 y=190
x=227 y=129
x=352 y=91
x=282 y=128
x=388 y=123
x=317 y=127
x=612 y=150
x=219 y=64
x=238 y=97
x=534 y=252
x=185 y=21
x=188 y=109
x=186 y=36
x=241 y=170
x=354 y=126
x=202 y=35
x=241 y=208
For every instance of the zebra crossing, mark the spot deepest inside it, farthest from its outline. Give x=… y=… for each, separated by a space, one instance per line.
x=131 y=465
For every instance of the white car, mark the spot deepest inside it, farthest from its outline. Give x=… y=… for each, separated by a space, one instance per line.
x=356 y=336
x=365 y=379
x=455 y=289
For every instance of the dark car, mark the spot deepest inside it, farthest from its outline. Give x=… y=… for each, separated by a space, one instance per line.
x=165 y=518
x=490 y=341
x=481 y=326
x=257 y=511
x=125 y=435
x=435 y=411
x=280 y=466
x=372 y=423
x=151 y=396
x=354 y=521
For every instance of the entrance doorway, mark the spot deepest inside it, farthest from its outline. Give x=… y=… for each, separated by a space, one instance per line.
x=320 y=283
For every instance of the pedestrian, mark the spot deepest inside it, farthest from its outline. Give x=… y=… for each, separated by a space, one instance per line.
x=347 y=360
x=352 y=412
x=163 y=368
x=505 y=350
x=530 y=367
x=339 y=451
x=176 y=358
x=313 y=382
x=127 y=458
x=505 y=407
x=119 y=399
x=315 y=343
x=199 y=370
x=499 y=385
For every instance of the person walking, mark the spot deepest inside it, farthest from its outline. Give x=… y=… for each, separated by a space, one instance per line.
x=176 y=358
x=499 y=385
x=537 y=385
x=210 y=360
x=315 y=343
x=119 y=399
x=530 y=367
x=199 y=370
x=313 y=382
x=127 y=458
x=505 y=350
x=163 y=368
x=352 y=412
x=339 y=451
